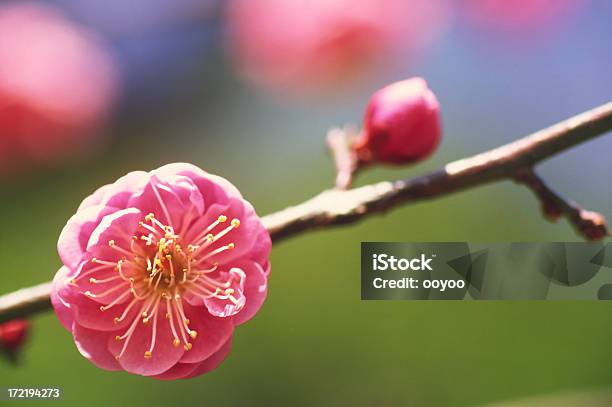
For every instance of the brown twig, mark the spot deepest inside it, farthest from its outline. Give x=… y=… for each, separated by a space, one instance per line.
x=339 y=141
x=335 y=207
x=591 y=225
x=25 y=302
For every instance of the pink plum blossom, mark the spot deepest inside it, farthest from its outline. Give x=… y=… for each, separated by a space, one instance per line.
x=57 y=85
x=159 y=268
x=401 y=124
x=304 y=46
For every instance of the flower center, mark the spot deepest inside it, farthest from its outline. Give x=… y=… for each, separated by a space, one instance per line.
x=156 y=270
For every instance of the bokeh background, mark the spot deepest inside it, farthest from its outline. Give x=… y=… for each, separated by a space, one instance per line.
x=251 y=98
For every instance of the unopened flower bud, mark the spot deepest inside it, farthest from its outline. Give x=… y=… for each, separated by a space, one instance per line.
x=13 y=334
x=401 y=125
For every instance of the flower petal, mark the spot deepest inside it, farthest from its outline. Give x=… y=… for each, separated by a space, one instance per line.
x=212 y=187
x=93 y=345
x=164 y=355
x=212 y=333
x=250 y=239
x=189 y=370
x=178 y=371
x=213 y=361
x=62 y=308
x=119 y=227
x=222 y=307
x=102 y=291
x=255 y=290
x=87 y=312
x=96 y=197
x=73 y=239
x=118 y=193
x=172 y=196
x=260 y=251
x=194 y=233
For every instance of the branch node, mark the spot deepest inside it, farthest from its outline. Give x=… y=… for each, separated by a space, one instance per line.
x=339 y=142
x=591 y=225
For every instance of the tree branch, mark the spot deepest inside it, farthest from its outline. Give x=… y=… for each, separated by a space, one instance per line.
x=25 y=302
x=514 y=161
x=338 y=207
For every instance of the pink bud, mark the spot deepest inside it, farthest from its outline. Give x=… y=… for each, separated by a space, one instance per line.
x=13 y=334
x=401 y=125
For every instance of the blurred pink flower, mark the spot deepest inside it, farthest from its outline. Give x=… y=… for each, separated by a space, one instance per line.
x=304 y=46
x=13 y=334
x=158 y=269
x=401 y=124
x=519 y=17
x=57 y=83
